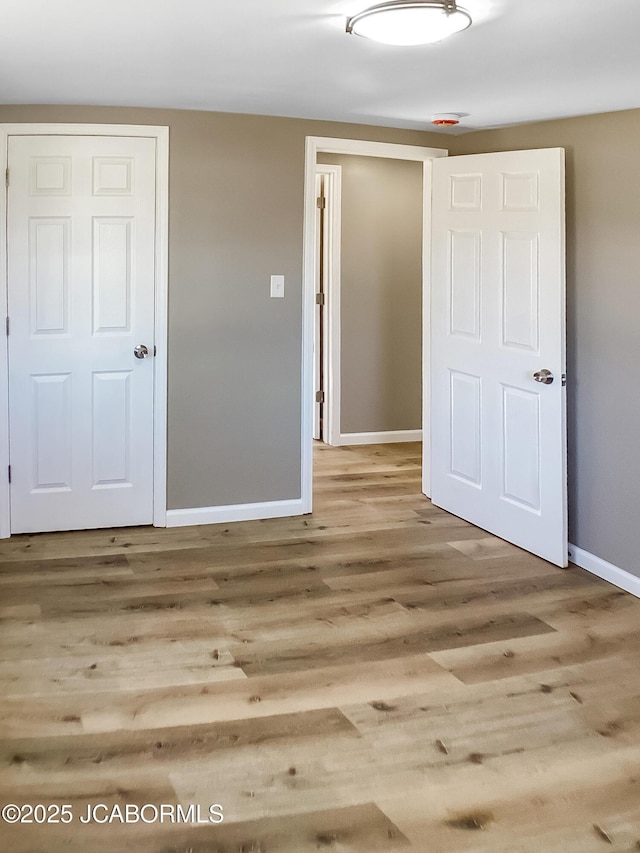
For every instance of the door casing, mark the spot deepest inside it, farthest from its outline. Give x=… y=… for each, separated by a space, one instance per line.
x=161 y=137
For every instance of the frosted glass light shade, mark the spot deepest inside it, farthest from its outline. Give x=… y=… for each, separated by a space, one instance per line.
x=407 y=23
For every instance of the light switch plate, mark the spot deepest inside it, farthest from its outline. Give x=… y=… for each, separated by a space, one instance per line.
x=277 y=286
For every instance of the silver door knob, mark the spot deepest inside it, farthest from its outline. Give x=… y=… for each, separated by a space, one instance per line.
x=140 y=351
x=545 y=376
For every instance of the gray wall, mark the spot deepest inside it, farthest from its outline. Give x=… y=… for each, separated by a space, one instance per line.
x=234 y=357
x=236 y=213
x=603 y=326
x=381 y=293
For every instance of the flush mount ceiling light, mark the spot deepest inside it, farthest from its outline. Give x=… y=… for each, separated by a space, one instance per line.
x=403 y=22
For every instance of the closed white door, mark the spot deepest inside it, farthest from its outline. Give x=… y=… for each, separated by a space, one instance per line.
x=498 y=418
x=81 y=267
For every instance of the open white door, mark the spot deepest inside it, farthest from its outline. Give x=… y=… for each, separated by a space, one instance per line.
x=318 y=349
x=498 y=401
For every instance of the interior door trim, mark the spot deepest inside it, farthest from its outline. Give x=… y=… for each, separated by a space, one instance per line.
x=161 y=136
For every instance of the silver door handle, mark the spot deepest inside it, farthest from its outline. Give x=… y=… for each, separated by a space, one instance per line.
x=140 y=351
x=545 y=376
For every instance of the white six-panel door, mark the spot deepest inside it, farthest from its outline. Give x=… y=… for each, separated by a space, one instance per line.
x=498 y=443
x=81 y=256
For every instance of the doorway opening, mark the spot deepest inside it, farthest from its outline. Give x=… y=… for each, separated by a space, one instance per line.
x=322 y=314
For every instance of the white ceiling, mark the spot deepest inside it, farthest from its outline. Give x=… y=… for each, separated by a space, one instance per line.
x=522 y=60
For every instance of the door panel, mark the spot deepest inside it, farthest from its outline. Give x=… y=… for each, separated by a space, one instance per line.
x=81 y=263
x=49 y=242
x=520 y=291
x=111 y=445
x=51 y=407
x=464 y=284
x=112 y=261
x=498 y=315
x=465 y=415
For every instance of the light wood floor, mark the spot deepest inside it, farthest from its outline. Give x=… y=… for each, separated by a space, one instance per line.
x=377 y=677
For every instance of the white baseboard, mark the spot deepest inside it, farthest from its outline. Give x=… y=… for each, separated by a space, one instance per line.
x=607 y=571
x=236 y=512
x=388 y=437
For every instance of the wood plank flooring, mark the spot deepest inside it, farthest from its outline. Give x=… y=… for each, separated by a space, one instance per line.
x=374 y=678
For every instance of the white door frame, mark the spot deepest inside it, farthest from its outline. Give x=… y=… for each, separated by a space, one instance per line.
x=315 y=145
x=161 y=136
x=331 y=343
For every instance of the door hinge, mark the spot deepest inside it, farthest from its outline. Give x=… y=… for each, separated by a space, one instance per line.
x=155 y=350
x=564 y=379
x=319 y=396
x=319 y=298
x=9 y=472
x=7 y=326
x=321 y=202
x=6 y=177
